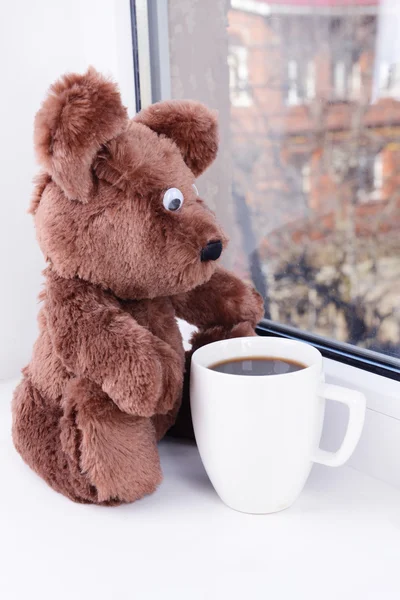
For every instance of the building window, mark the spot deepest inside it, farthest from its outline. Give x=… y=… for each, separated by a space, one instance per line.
x=300 y=82
x=300 y=173
x=346 y=80
x=370 y=177
x=356 y=81
x=306 y=178
x=378 y=172
x=389 y=80
x=339 y=79
x=239 y=76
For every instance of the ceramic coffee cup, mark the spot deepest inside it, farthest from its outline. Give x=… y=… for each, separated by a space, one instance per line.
x=258 y=437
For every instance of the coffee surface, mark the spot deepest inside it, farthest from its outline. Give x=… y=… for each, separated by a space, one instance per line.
x=257 y=365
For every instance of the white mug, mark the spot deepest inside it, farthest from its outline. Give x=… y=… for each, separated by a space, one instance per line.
x=258 y=436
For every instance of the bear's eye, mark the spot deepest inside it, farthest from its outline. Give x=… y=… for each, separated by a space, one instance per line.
x=195 y=189
x=173 y=199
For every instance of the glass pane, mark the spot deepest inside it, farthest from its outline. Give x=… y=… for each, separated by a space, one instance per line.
x=313 y=137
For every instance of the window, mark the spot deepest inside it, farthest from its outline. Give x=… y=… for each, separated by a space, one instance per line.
x=349 y=40
x=238 y=76
x=305 y=177
x=346 y=81
x=359 y=171
x=370 y=174
x=339 y=79
x=299 y=169
x=310 y=196
x=300 y=82
x=389 y=80
x=356 y=81
x=378 y=174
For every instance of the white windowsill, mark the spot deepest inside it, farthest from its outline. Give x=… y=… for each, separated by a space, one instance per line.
x=341 y=538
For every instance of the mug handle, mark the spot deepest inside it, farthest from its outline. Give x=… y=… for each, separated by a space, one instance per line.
x=356 y=402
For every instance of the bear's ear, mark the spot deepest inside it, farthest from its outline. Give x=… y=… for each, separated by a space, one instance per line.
x=79 y=115
x=191 y=125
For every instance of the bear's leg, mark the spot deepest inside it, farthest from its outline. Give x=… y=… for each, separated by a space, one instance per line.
x=36 y=434
x=87 y=449
x=117 y=452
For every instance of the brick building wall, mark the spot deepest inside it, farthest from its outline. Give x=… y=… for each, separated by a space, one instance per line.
x=316 y=155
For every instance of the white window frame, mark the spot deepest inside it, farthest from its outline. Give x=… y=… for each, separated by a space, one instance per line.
x=378 y=453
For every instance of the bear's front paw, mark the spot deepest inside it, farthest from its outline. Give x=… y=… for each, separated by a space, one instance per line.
x=172 y=365
x=252 y=307
x=214 y=334
x=137 y=386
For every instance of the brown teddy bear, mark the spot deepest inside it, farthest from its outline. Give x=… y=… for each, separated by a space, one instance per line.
x=130 y=246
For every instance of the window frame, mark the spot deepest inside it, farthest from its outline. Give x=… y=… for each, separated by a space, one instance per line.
x=150 y=47
x=347 y=354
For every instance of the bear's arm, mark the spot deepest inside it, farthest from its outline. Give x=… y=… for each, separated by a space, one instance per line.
x=222 y=307
x=96 y=339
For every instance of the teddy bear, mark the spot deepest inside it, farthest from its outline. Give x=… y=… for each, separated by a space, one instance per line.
x=130 y=247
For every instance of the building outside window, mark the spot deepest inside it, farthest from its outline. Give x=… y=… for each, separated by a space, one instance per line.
x=320 y=238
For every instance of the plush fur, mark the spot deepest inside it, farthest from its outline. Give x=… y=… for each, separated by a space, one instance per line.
x=106 y=376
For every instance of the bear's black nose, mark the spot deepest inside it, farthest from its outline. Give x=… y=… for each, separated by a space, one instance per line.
x=212 y=251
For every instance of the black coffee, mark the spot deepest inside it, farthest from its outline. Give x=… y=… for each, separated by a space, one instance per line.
x=257 y=365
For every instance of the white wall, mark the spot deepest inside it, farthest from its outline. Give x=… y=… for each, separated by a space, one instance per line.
x=39 y=41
